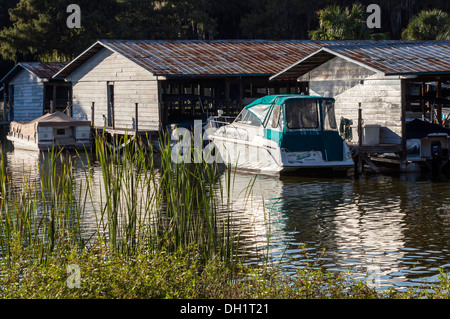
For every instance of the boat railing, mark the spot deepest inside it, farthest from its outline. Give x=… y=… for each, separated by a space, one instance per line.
x=220 y=121
x=227 y=123
x=22 y=136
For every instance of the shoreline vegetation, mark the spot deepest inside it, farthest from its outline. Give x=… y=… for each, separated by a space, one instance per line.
x=157 y=234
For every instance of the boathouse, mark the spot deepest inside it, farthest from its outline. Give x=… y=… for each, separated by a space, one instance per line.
x=122 y=84
x=145 y=85
x=30 y=90
x=386 y=85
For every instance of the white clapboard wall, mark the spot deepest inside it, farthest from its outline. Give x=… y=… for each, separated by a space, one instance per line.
x=349 y=84
x=132 y=84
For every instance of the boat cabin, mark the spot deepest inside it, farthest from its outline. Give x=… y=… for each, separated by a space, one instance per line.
x=298 y=123
x=50 y=130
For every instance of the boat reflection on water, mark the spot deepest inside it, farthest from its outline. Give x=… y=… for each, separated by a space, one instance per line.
x=387 y=230
x=254 y=215
x=22 y=167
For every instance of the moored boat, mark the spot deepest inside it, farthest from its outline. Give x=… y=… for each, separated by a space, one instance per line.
x=50 y=130
x=278 y=134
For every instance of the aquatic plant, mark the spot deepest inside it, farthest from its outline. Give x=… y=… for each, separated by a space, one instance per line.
x=157 y=233
x=134 y=201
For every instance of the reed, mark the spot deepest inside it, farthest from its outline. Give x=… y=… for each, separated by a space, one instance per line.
x=190 y=195
x=155 y=222
x=137 y=202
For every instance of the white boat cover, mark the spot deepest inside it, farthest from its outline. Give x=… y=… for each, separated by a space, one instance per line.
x=56 y=119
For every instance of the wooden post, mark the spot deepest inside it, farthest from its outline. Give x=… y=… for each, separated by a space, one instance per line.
x=241 y=94
x=136 y=120
x=439 y=104
x=359 y=125
x=162 y=110
x=113 y=120
x=92 y=114
x=403 y=153
x=69 y=109
x=227 y=97
x=54 y=100
x=4 y=102
x=360 y=164
x=52 y=106
x=422 y=101
x=10 y=103
x=429 y=108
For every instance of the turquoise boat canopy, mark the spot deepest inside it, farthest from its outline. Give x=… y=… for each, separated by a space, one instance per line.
x=280 y=98
x=261 y=106
x=322 y=138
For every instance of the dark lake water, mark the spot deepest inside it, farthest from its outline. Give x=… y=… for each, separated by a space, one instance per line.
x=392 y=230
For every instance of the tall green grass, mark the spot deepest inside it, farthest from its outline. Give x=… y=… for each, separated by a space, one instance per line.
x=138 y=200
x=160 y=229
x=42 y=216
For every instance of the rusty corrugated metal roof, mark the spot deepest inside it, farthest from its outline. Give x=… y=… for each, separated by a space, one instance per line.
x=43 y=70
x=397 y=58
x=209 y=58
x=212 y=57
x=406 y=58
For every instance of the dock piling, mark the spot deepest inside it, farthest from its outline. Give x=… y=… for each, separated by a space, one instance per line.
x=360 y=166
x=136 y=119
x=92 y=114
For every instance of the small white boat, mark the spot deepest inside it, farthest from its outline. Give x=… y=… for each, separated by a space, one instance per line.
x=277 y=134
x=51 y=130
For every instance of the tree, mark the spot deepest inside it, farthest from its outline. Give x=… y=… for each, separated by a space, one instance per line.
x=428 y=25
x=279 y=19
x=5 y=5
x=185 y=19
x=39 y=30
x=227 y=16
x=336 y=23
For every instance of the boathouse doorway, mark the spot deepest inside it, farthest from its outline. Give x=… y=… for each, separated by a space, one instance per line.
x=110 y=106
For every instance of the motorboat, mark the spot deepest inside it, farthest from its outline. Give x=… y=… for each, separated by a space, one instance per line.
x=277 y=134
x=427 y=144
x=51 y=130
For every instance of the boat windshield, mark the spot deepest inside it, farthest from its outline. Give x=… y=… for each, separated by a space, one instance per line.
x=247 y=117
x=275 y=117
x=328 y=115
x=301 y=114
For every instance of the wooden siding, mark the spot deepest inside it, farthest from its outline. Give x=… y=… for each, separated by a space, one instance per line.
x=350 y=84
x=28 y=96
x=132 y=84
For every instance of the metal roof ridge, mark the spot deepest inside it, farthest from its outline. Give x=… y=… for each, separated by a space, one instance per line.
x=76 y=58
x=25 y=65
x=295 y=64
x=343 y=56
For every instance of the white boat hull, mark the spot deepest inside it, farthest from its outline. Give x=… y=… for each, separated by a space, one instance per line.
x=264 y=156
x=30 y=145
x=50 y=130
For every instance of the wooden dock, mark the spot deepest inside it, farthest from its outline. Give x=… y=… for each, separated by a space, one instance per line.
x=370 y=154
x=123 y=131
